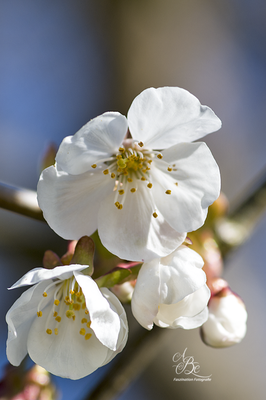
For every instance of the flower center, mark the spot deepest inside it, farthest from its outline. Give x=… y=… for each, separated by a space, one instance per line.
x=130 y=166
x=68 y=302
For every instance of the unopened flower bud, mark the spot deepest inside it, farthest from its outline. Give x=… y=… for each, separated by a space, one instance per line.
x=124 y=291
x=226 y=324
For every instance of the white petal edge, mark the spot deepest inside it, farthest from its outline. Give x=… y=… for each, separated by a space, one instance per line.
x=70 y=203
x=19 y=319
x=105 y=322
x=98 y=139
x=166 y=116
x=40 y=274
x=198 y=185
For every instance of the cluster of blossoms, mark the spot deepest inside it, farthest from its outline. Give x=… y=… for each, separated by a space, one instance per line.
x=143 y=184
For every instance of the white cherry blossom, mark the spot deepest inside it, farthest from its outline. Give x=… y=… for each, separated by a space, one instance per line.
x=138 y=180
x=227 y=321
x=171 y=292
x=65 y=322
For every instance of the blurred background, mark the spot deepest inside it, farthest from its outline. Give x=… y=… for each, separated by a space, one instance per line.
x=65 y=62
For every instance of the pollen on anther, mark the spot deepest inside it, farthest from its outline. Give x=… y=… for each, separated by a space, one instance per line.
x=55 y=314
x=70 y=313
x=140 y=144
x=56 y=331
x=44 y=294
x=121 y=149
x=89 y=324
x=170 y=169
x=84 y=320
x=106 y=172
x=82 y=331
x=86 y=312
x=58 y=319
x=112 y=175
x=49 y=331
x=88 y=336
x=168 y=192
x=132 y=190
x=72 y=292
x=176 y=183
x=39 y=313
x=76 y=306
x=121 y=191
x=93 y=166
x=143 y=179
x=155 y=215
x=129 y=179
x=149 y=185
x=159 y=156
x=56 y=302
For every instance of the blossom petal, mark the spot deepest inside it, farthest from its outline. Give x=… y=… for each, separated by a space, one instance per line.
x=189 y=313
x=39 y=274
x=70 y=203
x=146 y=295
x=66 y=354
x=180 y=275
x=133 y=233
x=98 y=139
x=166 y=116
x=19 y=319
x=105 y=322
x=198 y=178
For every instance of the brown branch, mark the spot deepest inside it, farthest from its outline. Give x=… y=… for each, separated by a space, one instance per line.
x=21 y=201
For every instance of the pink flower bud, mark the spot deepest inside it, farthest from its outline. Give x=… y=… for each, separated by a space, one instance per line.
x=226 y=324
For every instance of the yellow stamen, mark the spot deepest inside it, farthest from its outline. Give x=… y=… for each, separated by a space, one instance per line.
x=176 y=183
x=39 y=313
x=133 y=190
x=55 y=314
x=44 y=294
x=112 y=175
x=155 y=215
x=82 y=331
x=121 y=149
x=56 y=302
x=88 y=336
x=159 y=156
x=89 y=324
x=106 y=172
x=76 y=306
x=58 y=319
x=93 y=166
x=84 y=320
x=129 y=179
x=143 y=179
x=56 y=331
x=86 y=312
x=83 y=306
x=168 y=192
x=49 y=331
x=121 y=191
x=169 y=169
x=140 y=144
x=70 y=313
x=149 y=185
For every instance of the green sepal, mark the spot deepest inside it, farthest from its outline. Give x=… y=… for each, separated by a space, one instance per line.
x=84 y=253
x=118 y=276
x=51 y=260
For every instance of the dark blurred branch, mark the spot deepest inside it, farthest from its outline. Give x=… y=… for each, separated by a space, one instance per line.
x=21 y=201
x=134 y=359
